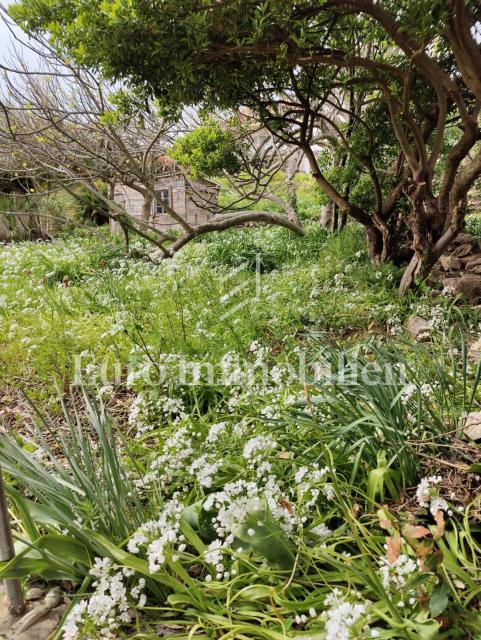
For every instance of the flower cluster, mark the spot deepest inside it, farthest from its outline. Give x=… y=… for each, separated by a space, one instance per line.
x=240 y=498
x=428 y=496
x=205 y=468
x=394 y=575
x=107 y=608
x=256 y=451
x=215 y=556
x=310 y=483
x=147 y=412
x=343 y=618
x=176 y=451
x=160 y=537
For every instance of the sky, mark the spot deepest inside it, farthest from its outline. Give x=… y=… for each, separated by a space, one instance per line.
x=7 y=40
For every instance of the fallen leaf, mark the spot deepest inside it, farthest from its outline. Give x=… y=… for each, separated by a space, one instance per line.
x=285 y=504
x=393 y=548
x=439 y=519
x=410 y=531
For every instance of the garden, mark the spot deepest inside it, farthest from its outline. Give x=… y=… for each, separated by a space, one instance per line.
x=240 y=320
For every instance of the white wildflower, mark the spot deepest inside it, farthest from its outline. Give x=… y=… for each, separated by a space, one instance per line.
x=342 y=616
x=396 y=574
x=159 y=536
x=427 y=495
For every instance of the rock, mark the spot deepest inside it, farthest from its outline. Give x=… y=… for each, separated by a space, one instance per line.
x=53 y=597
x=419 y=328
x=436 y=276
x=462 y=250
x=474 y=351
x=37 y=623
x=29 y=619
x=464 y=238
x=449 y=285
x=450 y=263
x=476 y=269
x=473 y=260
x=41 y=629
x=472 y=425
x=164 y=631
x=469 y=286
x=34 y=593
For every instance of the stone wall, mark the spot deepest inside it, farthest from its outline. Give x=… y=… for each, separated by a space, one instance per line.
x=458 y=271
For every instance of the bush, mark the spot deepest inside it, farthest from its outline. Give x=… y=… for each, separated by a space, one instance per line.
x=271 y=247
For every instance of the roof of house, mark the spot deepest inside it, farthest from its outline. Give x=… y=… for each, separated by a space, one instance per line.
x=170 y=167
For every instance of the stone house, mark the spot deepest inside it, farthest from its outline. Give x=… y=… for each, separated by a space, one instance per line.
x=194 y=200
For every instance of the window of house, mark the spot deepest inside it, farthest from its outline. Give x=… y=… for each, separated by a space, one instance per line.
x=162 y=201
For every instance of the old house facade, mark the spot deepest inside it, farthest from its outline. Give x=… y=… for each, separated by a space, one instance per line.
x=194 y=200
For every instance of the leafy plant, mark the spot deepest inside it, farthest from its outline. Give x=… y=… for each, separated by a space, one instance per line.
x=88 y=488
x=208 y=150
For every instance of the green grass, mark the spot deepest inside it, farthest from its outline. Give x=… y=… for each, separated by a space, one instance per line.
x=82 y=295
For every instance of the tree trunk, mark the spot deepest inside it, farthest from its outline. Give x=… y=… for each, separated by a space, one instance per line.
x=147 y=207
x=418 y=268
x=375 y=245
x=293 y=209
x=326 y=215
x=423 y=218
x=335 y=219
x=111 y=191
x=125 y=231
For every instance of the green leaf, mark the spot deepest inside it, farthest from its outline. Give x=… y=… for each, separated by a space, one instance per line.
x=21 y=567
x=268 y=539
x=475 y=468
x=191 y=536
x=255 y=592
x=439 y=599
x=65 y=547
x=51 y=556
x=425 y=630
x=41 y=514
x=25 y=515
x=381 y=479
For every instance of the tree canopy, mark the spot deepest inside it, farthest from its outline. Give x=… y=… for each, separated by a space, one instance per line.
x=414 y=63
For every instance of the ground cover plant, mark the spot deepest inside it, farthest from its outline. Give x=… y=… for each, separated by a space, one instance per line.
x=89 y=298
x=243 y=453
